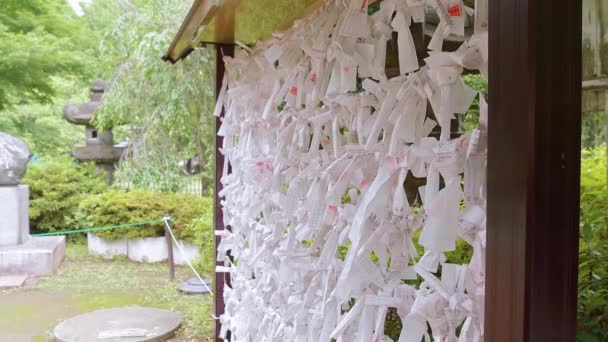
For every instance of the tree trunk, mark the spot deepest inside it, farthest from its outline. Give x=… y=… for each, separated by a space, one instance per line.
x=606 y=134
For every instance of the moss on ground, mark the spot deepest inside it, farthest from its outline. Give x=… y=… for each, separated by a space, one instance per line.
x=85 y=283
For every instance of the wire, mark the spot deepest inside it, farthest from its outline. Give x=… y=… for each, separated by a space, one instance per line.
x=166 y=220
x=95 y=229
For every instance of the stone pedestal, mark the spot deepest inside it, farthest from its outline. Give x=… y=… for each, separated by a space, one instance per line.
x=38 y=256
x=14 y=215
x=20 y=253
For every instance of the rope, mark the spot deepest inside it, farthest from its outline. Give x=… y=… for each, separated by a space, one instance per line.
x=166 y=222
x=166 y=219
x=96 y=229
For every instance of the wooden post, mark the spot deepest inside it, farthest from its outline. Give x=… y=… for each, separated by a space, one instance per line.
x=221 y=279
x=533 y=170
x=224 y=36
x=170 y=261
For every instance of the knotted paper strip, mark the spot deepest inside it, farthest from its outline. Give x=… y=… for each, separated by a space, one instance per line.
x=321 y=143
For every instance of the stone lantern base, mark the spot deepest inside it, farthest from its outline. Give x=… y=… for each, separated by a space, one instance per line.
x=19 y=252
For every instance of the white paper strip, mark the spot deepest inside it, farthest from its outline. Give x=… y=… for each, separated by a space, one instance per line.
x=319 y=200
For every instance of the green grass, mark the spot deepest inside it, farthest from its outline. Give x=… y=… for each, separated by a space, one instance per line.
x=85 y=283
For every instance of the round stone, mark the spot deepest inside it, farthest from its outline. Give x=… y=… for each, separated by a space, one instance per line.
x=98 y=86
x=196 y=281
x=128 y=324
x=14 y=156
x=194 y=286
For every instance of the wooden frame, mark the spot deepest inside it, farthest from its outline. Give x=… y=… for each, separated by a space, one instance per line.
x=200 y=14
x=225 y=18
x=533 y=165
x=221 y=279
x=533 y=170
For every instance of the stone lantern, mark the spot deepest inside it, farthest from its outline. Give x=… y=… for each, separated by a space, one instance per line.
x=99 y=146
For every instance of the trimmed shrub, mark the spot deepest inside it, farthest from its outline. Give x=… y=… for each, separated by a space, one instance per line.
x=203 y=231
x=57 y=186
x=188 y=213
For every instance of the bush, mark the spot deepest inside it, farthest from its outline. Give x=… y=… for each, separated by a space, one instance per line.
x=57 y=186
x=593 y=263
x=202 y=228
x=189 y=213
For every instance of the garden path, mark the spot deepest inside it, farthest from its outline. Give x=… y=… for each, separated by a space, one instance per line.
x=85 y=283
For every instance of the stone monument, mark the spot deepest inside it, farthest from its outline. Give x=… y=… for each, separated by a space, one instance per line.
x=99 y=146
x=21 y=254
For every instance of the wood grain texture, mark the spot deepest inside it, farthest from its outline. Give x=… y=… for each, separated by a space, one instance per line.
x=225 y=22
x=200 y=14
x=533 y=170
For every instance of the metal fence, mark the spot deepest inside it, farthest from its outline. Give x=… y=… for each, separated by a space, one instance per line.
x=187 y=185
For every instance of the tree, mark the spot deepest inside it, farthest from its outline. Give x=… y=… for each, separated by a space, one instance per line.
x=167 y=108
x=39 y=40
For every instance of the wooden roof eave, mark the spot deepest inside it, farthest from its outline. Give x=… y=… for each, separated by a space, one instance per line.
x=203 y=11
x=200 y=14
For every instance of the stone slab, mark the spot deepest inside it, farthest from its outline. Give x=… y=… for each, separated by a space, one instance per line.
x=80 y=114
x=128 y=324
x=148 y=249
x=14 y=215
x=191 y=252
x=37 y=256
x=98 y=153
x=106 y=248
x=195 y=286
x=192 y=289
x=10 y=281
x=196 y=282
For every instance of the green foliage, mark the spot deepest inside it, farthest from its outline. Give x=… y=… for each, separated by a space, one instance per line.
x=39 y=40
x=166 y=107
x=373 y=8
x=593 y=263
x=594 y=130
x=42 y=126
x=86 y=283
x=393 y=324
x=203 y=235
x=470 y=119
x=57 y=186
x=189 y=213
x=461 y=255
x=45 y=61
x=170 y=178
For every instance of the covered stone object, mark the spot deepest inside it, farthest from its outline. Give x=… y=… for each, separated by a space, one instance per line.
x=14 y=156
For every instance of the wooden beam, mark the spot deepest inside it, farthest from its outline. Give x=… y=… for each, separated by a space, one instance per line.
x=309 y=11
x=200 y=14
x=225 y=20
x=190 y=34
x=533 y=170
x=596 y=83
x=594 y=100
